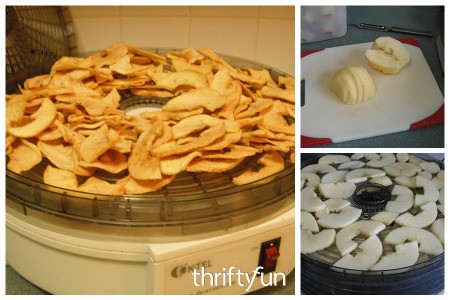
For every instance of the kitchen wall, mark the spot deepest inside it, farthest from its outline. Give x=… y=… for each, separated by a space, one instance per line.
x=265 y=34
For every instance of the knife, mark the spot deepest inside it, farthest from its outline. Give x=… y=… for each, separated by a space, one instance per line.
x=440 y=51
x=395 y=29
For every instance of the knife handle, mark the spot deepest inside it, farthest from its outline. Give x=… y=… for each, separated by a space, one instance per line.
x=371 y=26
x=412 y=31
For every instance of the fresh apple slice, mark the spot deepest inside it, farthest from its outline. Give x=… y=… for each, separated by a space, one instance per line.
x=333 y=159
x=311 y=179
x=423 y=219
x=385 y=180
x=310 y=202
x=307 y=221
x=345 y=236
x=343 y=85
x=402 y=169
x=314 y=242
x=403 y=202
x=402 y=157
x=319 y=168
x=337 y=190
x=430 y=166
x=428 y=242
x=354 y=164
x=439 y=181
x=333 y=177
x=430 y=192
x=367 y=83
x=337 y=204
x=438 y=229
x=405 y=255
x=385 y=217
x=363 y=174
x=386 y=159
x=364 y=260
x=406 y=181
x=321 y=213
x=387 y=55
x=357 y=80
x=345 y=217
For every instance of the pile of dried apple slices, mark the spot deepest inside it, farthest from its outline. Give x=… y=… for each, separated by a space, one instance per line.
x=411 y=222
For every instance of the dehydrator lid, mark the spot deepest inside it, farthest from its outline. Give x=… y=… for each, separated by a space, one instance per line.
x=36 y=36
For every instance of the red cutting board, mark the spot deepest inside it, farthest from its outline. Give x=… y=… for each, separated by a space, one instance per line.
x=407 y=100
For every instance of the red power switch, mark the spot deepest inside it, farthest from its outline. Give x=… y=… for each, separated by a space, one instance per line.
x=268 y=256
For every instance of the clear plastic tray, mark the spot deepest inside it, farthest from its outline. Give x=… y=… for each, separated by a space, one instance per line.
x=192 y=198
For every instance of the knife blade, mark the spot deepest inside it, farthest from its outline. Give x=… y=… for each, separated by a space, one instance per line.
x=440 y=51
x=395 y=29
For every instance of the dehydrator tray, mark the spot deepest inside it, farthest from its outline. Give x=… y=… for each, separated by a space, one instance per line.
x=319 y=276
x=192 y=198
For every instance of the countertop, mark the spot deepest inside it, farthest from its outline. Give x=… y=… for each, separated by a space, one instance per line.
x=423 y=17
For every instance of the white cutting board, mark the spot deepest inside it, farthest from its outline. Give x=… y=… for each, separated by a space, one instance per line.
x=400 y=100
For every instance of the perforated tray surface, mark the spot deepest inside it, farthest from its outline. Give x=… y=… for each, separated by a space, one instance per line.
x=319 y=276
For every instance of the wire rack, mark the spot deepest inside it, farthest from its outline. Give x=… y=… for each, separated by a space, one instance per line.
x=36 y=36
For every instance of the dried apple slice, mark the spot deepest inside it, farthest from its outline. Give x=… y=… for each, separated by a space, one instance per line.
x=196 y=98
x=19 y=150
x=60 y=178
x=272 y=163
x=39 y=121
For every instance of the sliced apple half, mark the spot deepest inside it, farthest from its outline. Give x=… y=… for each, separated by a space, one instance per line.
x=352 y=84
x=314 y=242
x=372 y=249
x=333 y=159
x=423 y=219
x=403 y=202
x=363 y=174
x=307 y=221
x=428 y=242
x=405 y=255
x=343 y=218
x=387 y=55
x=430 y=192
x=310 y=202
x=337 y=190
x=345 y=236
